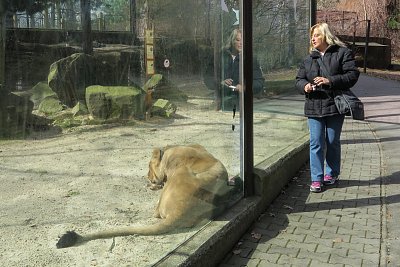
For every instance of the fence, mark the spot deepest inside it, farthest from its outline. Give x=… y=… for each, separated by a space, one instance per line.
x=67 y=20
x=370 y=51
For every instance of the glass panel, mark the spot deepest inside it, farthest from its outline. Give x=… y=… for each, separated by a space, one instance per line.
x=280 y=41
x=100 y=102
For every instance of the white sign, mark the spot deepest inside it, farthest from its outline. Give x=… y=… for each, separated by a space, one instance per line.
x=166 y=63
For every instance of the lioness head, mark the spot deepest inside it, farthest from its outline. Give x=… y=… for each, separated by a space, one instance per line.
x=155 y=175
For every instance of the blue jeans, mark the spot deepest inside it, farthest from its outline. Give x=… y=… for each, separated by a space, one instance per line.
x=325 y=133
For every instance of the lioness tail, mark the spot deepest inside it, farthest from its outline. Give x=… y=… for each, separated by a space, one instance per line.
x=71 y=238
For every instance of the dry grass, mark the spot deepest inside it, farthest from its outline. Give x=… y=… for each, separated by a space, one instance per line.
x=384 y=74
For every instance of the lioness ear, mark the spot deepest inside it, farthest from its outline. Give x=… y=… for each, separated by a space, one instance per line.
x=158 y=153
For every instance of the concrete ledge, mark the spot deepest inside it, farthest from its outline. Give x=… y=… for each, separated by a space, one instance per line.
x=210 y=245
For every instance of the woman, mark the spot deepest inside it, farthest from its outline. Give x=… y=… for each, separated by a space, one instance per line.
x=231 y=82
x=324 y=121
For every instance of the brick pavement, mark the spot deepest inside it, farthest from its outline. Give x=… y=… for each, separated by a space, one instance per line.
x=339 y=227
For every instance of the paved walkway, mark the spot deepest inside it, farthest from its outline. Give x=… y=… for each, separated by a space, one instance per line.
x=354 y=223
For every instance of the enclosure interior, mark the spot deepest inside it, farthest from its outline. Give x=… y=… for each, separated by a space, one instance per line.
x=90 y=89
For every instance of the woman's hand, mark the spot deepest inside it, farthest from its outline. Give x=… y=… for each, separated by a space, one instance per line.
x=321 y=81
x=228 y=82
x=309 y=88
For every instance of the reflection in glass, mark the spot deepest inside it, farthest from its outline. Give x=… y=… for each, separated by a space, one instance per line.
x=280 y=41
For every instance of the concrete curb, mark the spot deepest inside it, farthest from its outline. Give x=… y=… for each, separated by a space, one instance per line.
x=210 y=245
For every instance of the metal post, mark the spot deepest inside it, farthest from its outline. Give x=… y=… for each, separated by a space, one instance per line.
x=354 y=35
x=313 y=12
x=366 y=45
x=247 y=107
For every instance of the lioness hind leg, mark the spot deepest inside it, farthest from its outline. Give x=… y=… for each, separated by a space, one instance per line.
x=156 y=213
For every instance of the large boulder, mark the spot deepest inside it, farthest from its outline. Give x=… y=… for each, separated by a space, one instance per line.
x=50 y=106
x=36 y=95
x=111 y=102
x=70 y=76
x=15 y=114
x=39 y=92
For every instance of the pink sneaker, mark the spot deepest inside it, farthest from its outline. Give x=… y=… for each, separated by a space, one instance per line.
x=330 y=180
x=316 y=187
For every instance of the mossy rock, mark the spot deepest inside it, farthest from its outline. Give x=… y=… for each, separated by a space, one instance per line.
x=70 y=76
x=164 y=108
x=67 y=122
x=50 y=105
x=39 y=92
x=123 y=102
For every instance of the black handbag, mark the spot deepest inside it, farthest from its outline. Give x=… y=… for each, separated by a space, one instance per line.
x=349 y=104
x=346 y=101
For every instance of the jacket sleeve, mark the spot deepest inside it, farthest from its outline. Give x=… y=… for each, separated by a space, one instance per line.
x=349 y=75
x=301 y=78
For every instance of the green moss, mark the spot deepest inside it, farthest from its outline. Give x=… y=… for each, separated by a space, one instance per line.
x=50 y=105
x=113 y=90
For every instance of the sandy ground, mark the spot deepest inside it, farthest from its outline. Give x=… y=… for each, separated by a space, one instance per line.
x=94 y=178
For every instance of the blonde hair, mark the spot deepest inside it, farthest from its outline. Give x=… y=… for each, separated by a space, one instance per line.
x=232 y=38
x=327 y=34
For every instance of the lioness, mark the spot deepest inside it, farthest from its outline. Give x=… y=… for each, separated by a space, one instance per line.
x=194 y=185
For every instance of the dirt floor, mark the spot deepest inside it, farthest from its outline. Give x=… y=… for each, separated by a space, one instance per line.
x=94 y=178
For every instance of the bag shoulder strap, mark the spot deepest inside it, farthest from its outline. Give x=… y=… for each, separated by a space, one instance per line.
x=325 y=73
x=321 y=64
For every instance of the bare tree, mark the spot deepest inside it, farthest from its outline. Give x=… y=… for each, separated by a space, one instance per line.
x=2 y=43
x=86 y=27
x=372 y=10
x=327 y=4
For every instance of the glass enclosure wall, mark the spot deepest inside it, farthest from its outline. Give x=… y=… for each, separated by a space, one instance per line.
x=117 y=113
x=104 y=106
x=280 y=43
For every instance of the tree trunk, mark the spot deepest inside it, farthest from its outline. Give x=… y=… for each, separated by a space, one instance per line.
x=365 y=11
x=2 y=66
x=46 y=18
x=291 y=36
x=70 y=14
x=216 y=29
x=58 y=12
x=32 y=23
x=133 y=25
x=2 y=48
x=207 y=30
x=87 y=45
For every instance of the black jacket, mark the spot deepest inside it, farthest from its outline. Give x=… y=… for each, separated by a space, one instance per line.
x=231 y=71
x=343 y=74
